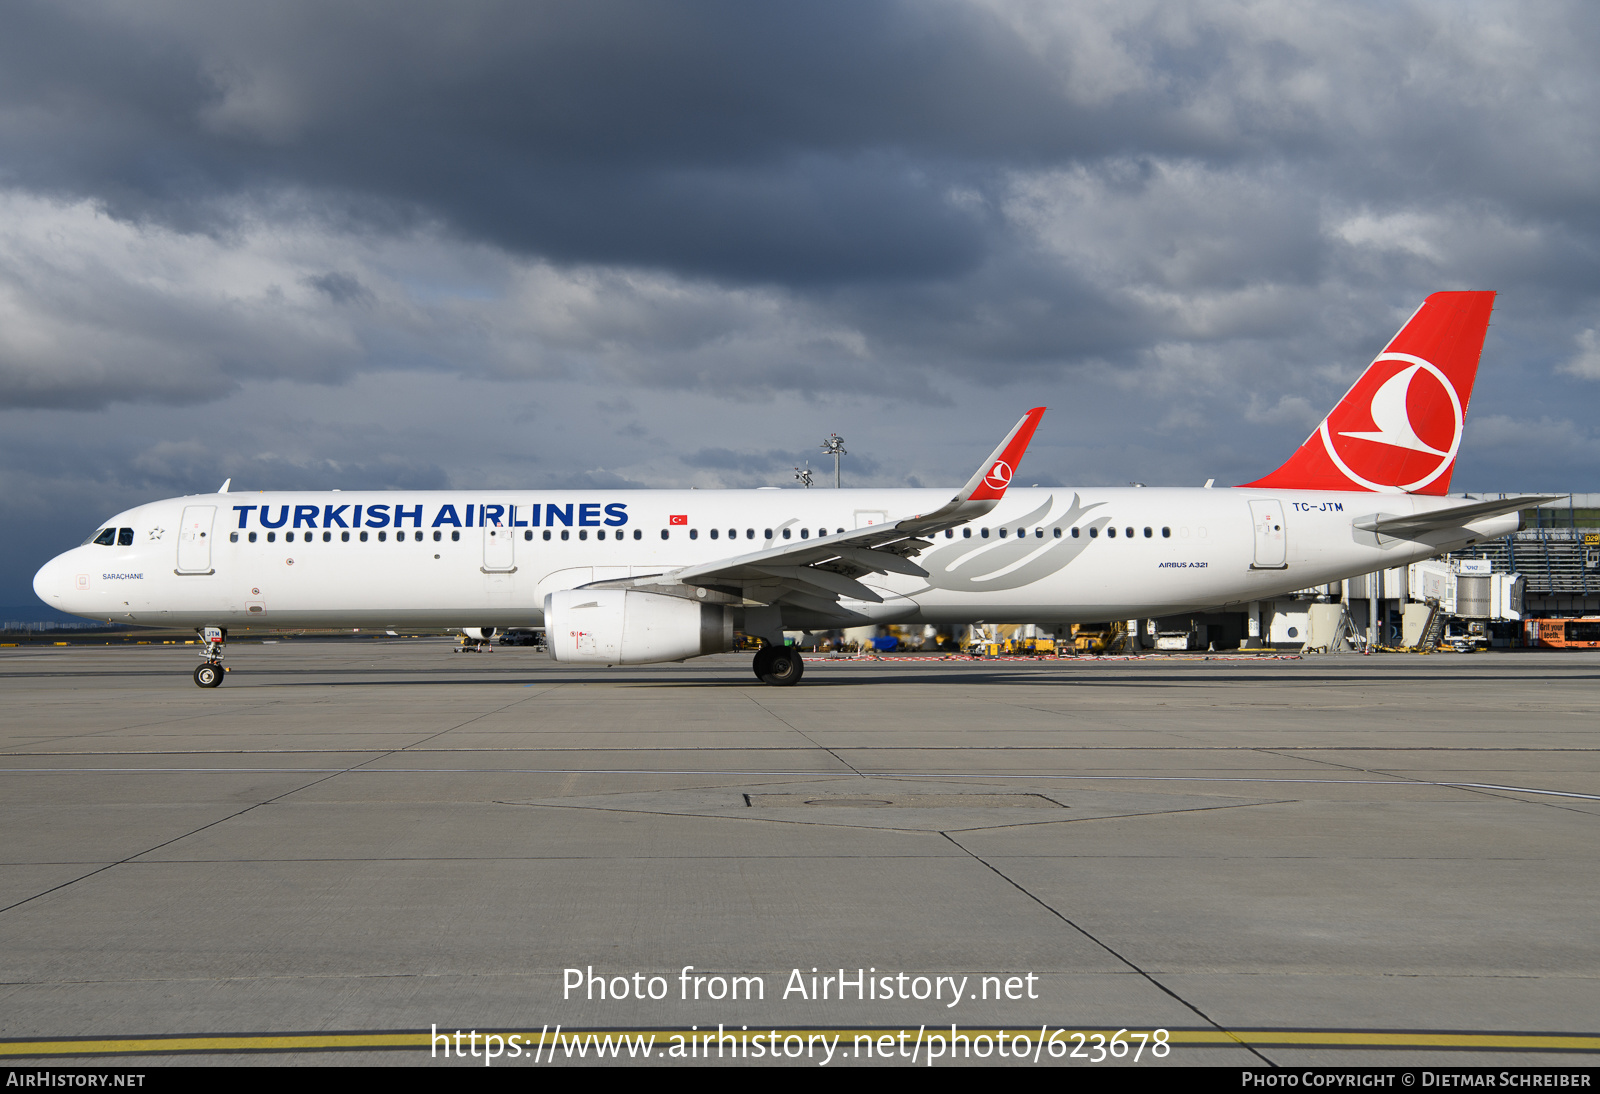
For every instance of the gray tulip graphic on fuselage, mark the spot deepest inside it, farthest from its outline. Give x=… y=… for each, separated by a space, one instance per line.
x=976 y=565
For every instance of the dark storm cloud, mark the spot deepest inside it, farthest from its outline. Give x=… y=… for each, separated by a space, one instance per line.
x=862 y=149
x=788 y=143
x=798 y=144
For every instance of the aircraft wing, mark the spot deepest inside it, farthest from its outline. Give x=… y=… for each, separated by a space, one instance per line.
x=1456 y=516
x=817 y=572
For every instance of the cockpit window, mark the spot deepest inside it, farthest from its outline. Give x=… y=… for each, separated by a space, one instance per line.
x=106 y=537
x=124 y=537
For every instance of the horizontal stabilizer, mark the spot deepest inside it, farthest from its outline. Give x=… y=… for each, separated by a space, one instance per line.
x=1457 y=516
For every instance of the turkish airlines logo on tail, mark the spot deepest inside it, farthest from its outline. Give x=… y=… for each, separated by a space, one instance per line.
x=1399 y=428
x=999 y=476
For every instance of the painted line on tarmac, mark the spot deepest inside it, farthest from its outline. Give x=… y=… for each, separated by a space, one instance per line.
x=590 y=1039
x=1397 y=781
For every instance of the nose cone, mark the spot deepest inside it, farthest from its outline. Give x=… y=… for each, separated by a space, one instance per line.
x=52 y=584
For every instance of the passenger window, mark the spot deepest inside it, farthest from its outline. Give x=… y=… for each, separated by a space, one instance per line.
x=1094 y=533
x=694 y=533
x=546 y=534
x=949 y=533
x=1112 y=532
x=107 y=537
x=1148 y=533
x=749 y=533
x=1166 y=533
x=271 y=536
x=383 y=537
x=455 y=537
x=805 y=533
x=233 y=537
x=327 y=537
x=1057 y=531
x=252 y=537
x=437 y=536
x=966 y=533
x=124 y=537
x=713 y=533
x=344 y=537
x=1075 y=533
x=664 y=534
x=598 y=535
x=769 y=533
x=1038 y=533
x=786 y=533
x=1128 y=532
x=983 y=532
x=733 y=533
x=363 y=536
x=637 y=534
x=288 y=537
x=565 y=534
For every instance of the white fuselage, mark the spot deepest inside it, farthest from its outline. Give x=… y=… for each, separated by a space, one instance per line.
x=489 y=558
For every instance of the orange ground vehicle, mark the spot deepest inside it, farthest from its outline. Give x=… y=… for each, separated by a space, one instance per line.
x=1564 y=634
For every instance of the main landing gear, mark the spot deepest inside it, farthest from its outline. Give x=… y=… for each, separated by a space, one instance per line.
x=210 y=672
x=780 y=666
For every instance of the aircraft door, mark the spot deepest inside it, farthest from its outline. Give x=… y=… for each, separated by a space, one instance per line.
x=1272 y=541
x=194 y=539
x=499 y=550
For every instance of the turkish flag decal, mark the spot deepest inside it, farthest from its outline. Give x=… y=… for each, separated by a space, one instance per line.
x=679 y=518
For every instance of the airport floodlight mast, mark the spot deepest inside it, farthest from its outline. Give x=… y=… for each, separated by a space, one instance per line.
x=834 y=446
x=804 y=475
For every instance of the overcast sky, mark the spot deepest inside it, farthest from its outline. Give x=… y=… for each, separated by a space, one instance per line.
x=640 y=244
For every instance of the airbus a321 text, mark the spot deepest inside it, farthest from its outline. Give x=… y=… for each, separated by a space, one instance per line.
x=635 y=577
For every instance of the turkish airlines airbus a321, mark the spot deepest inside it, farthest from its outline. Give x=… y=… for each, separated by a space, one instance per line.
x=634 y=577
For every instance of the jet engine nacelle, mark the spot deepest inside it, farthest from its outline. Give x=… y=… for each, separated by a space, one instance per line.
x=480 y=634
x=630 y=627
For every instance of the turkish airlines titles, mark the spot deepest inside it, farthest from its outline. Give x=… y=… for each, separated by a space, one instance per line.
x=351 y=515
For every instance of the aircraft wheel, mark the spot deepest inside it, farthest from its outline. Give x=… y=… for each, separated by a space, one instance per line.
x=208 y=676
x=785 y=668
x=763 y=662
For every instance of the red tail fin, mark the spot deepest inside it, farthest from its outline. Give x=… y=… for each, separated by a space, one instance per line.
x=1398 y=429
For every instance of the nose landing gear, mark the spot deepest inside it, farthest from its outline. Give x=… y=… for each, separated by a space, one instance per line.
x=210 y=672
